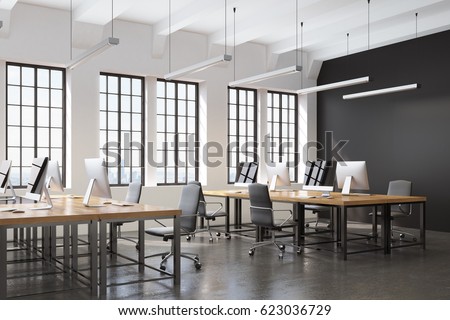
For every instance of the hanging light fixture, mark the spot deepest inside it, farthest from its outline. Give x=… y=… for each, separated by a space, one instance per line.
x=276 y=73
x=395 y=89
x=334 y=85
x=98 y=48
x=201 y=65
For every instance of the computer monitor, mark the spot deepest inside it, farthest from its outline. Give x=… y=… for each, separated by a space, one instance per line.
x=54 y=180
x=246 y=173
x=277 y=175
x=5 y=170
x=98 y=180
x=352 y=176
x=36 y=184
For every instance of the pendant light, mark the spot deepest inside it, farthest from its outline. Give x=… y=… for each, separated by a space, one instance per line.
x=394 y=89
x=201 y=65
x=98 y=48
x=276 y=73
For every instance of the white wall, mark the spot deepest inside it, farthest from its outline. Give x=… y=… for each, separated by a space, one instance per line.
x=41 y=36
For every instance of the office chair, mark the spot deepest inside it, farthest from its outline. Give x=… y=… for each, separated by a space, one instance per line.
x=209 y=215
x=316 y=174
x=188 y=205
x=133 y=196
x=262 y=215
x=399 y=188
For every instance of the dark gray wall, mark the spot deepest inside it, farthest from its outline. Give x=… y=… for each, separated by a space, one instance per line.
x=401 y=135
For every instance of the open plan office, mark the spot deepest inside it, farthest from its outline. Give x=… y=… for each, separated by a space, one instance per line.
x=224 y=149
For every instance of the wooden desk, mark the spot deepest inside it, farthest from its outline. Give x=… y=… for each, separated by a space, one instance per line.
x=67 y=211
x=339 y=201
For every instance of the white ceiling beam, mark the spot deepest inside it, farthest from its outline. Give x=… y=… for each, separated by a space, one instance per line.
x=99 y=11
x=7 y=4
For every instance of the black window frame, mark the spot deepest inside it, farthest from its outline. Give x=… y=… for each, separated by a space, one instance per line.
x=240 y=157
x=117 y=147
x=25 y=163
x=176 y=99
x=271 y=96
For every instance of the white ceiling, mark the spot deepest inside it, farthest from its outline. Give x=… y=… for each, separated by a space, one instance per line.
x=272 y=22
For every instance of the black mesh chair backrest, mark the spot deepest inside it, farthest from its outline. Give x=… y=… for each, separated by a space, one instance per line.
x=201 y=205
x=134 y=192
x=400 y=188
x=189 y=205
x=260 y=205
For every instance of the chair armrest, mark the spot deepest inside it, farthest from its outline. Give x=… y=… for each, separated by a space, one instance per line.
x=284 y=210
x=216 y=204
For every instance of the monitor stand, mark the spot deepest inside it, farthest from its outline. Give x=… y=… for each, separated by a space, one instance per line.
x=47 y=198
x=347 y=185
x=87 y=196
x=13 y=195
x=273 y=183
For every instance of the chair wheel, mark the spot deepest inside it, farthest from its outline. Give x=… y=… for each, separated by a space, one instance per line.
x=196 y=258
x=228 y=236
x=163 y=256
x=299 y=251
x=251 y=252
x=163 y=268
x=188 y=238
x=280 y=255
x=282 y=247
x=402 y=236
x=218 y=234
x=198 y=265
x=306 y=225
x=211 y=240
x=137 y=247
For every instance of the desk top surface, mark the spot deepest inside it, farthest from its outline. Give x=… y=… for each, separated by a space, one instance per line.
x=315 y=197
x=67 y=209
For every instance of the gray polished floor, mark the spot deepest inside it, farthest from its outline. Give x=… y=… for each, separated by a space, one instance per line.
x=228 y=272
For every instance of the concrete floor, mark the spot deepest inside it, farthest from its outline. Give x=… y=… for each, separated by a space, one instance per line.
x=228 y=272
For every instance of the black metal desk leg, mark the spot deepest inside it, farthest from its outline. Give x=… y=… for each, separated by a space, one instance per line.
x=375 y=223
x=3 y=263
x=176 y=251
x=93 y=250
x=299 y=216
x=141 y=242
x=66 y=247
x=343 y=211
x=102 y=245
x=227 y=218
x=387 y=229
x=422 y=223
x=74 y=246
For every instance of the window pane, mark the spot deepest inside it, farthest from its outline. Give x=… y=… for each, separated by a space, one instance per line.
x=56 y=99
x=13 y=95
x=43 y=97
x=125 y=86
x=13 y=75
x=43 y=117
x=13 y=115
x=57 y=79
x=43 y=78
x=27 y=76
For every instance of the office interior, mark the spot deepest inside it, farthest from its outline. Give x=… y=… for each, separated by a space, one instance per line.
x=400 y=135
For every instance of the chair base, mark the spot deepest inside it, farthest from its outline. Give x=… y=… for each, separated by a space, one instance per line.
x=281 y=246
x=166 y=255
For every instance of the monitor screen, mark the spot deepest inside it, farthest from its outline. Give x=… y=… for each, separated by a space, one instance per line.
x=352 y=176
x=246 y=172
x=36 y=182
x=54 y=180
x=5 y=168
x=278 y=175
x=96 y=170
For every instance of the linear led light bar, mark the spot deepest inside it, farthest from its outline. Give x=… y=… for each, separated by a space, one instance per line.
x=92 y=52
x=265 y=76
x=334 y=85
x=198 y=67
x=381 y=91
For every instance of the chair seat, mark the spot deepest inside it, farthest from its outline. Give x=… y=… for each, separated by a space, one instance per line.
x=279 y=223
x=317 y=208
x=165 y=232
x=210 y=216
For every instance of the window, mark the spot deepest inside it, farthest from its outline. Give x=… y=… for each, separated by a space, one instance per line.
x=177 y=132
x=122 y=127
x=282 y=130
x=35 y=117
x=242 y=129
